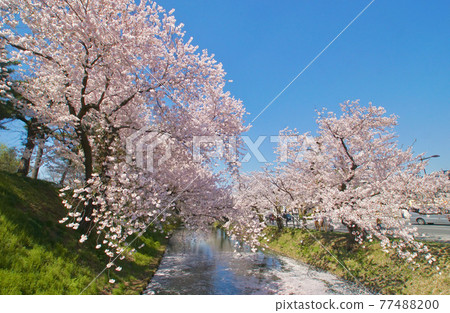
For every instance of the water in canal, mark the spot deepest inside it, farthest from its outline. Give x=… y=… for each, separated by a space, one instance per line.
x=197 y=264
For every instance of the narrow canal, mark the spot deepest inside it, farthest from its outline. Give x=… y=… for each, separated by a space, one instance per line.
x=197 y=263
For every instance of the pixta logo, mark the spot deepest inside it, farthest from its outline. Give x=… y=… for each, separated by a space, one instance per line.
x=141 y=147
x=148 y=148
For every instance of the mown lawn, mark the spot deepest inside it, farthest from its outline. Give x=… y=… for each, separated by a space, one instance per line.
x=381 y=272
x=40 y=256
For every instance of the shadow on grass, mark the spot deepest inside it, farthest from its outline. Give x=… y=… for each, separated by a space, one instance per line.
x=40 y=256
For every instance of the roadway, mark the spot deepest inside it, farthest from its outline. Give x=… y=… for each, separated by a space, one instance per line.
x=434 y=232
x=429 y=232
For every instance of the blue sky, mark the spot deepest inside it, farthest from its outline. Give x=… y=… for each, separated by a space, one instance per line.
x=394 y=55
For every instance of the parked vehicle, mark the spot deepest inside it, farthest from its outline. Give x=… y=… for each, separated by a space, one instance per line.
x=423 y=217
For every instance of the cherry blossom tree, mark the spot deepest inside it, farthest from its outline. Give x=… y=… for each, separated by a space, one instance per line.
x=353 y=172
x=10 y=112
x=255 y=193
x=96 y=73
x=249 y=208
x=7 y=64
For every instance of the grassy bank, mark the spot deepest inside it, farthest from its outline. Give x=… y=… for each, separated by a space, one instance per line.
x=381 y=272
x=40 y=256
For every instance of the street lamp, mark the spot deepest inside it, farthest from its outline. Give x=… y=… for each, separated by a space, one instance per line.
x=432 y=156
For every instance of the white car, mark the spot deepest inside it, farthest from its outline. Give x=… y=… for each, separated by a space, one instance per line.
x=423 y=218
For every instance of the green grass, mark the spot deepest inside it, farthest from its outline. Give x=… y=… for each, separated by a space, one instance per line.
x=381 y=272
x=40 y=256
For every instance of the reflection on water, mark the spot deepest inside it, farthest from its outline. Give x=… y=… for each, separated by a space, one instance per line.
x=197 y=263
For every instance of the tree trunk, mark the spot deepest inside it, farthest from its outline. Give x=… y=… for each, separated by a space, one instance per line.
x=24 y=164
x=87 y=151
x=280 y=224
x=354 y=232
x=38 y=159
x=63 y=176
x=88 y=170
x=279 y=218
